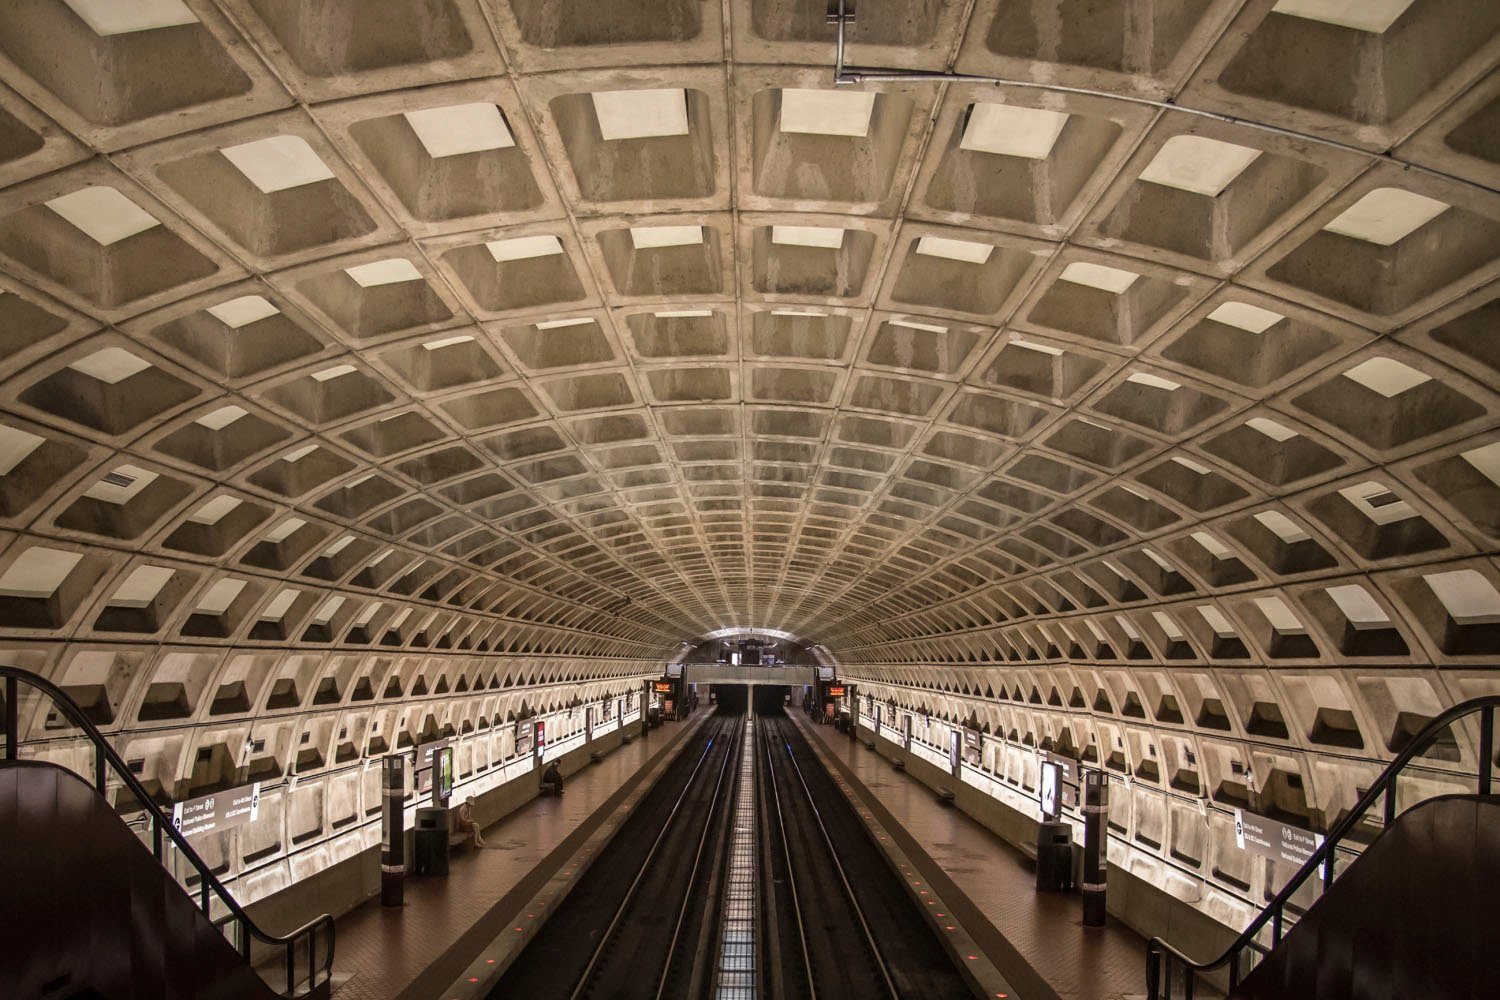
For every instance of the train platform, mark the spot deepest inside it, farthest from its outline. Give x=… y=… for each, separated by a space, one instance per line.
x=1037 y=940
x=414 y=952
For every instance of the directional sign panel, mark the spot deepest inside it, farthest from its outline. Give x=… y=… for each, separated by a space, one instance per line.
x=220 y=811
x=1274 y=839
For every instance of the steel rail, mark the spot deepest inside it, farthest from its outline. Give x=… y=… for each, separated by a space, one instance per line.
x=708 y=824
x=607 y=938
x=786 y=852
x=838 y=867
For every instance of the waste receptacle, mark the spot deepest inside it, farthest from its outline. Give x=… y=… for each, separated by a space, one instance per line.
x=1054 y=857
x=431 y=854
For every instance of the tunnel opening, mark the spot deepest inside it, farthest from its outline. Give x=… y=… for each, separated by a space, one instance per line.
x=769 y=699
x=732 y=699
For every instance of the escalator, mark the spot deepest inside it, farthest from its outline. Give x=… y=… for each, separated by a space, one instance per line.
x=1416 y=916
x=89 y=910
x=1413 y=915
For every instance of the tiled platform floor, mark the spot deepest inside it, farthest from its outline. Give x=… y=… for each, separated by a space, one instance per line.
x=409 y=952
x=1032 y=937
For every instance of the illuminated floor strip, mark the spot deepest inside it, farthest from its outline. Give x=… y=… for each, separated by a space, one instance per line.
x=735 y=978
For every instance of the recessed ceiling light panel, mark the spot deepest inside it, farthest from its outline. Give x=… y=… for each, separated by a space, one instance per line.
x=1244 y=316
x=808 y=236
x=1373 y=16
x=243 y=311
x=1271 y=429
x=1386 y=216
x=124 y=17
x=1201 y=166
x=524 y=248
x=1107 y=279
x=459 y=129
x=964 y=251
x=111 y=365
x=827 y=112
x=1008 y=130
x=383 y=272
x=278 y=163
x=1386 y=376
x=653 y=237
x=15 y=447
x=103 y=214
x=641 y=114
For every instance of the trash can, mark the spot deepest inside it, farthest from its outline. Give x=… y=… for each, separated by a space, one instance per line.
x=1054 y=857
x=431 y=854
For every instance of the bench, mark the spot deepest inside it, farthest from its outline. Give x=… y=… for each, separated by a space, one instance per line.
x=946 y=794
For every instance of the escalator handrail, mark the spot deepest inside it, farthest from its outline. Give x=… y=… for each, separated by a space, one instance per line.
x=319 y=927
x=1323 y=856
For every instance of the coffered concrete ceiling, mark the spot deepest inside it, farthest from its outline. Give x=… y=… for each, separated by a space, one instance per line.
x=428 y=322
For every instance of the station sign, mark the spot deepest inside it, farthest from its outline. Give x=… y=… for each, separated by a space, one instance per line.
x=217 y=812
x=1271 y=838
x=525 y=737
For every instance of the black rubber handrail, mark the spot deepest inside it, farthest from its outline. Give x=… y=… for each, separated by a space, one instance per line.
x=104 y=753
x=1162 y=958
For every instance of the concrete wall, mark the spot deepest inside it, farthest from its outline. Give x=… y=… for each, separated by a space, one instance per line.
x=346 y=885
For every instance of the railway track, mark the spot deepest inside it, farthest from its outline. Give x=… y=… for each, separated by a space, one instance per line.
x=838 y=924
x=635 y=927
x=832 y=921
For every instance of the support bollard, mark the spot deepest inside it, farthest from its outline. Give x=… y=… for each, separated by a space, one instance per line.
x=392 y=830
x=1095 y=830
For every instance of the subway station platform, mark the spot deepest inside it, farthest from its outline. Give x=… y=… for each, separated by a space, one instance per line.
x=415 y=951
x=1037 y=940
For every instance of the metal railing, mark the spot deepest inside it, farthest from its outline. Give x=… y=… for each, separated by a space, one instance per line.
x=305 y=939
x=1164 y=963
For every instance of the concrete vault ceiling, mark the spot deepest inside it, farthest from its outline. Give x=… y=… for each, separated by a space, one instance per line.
x=541 y=326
